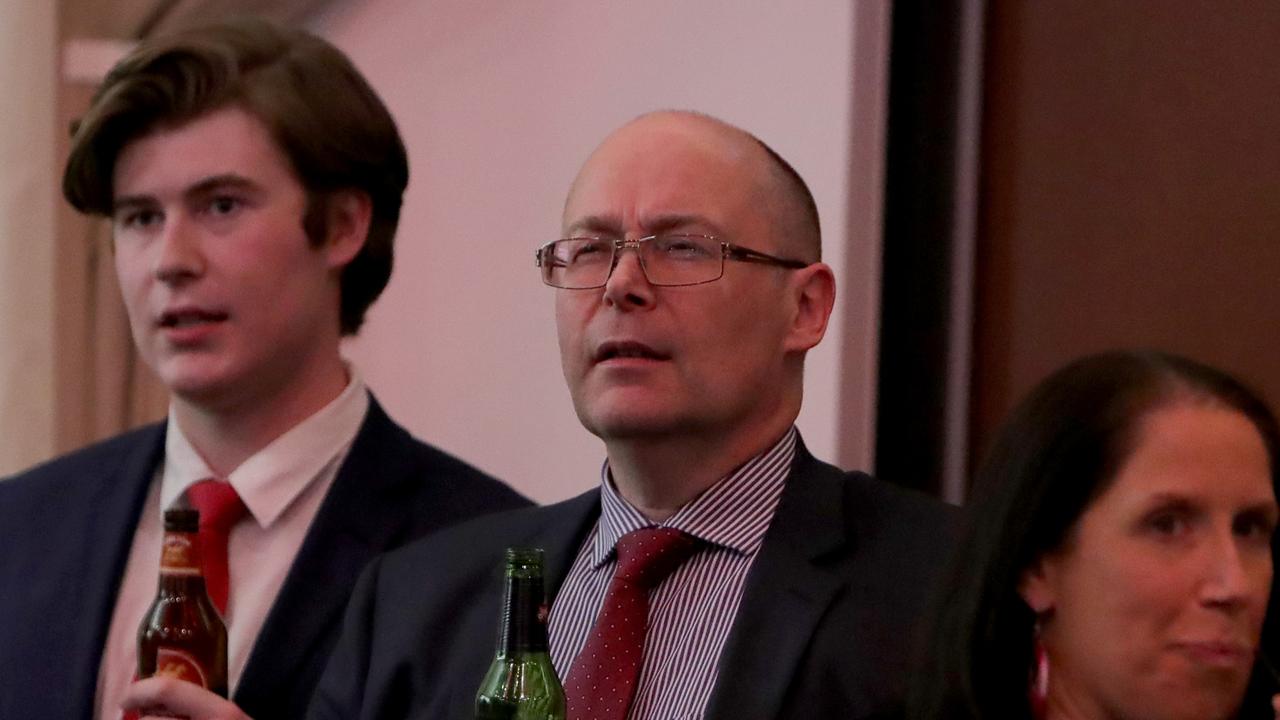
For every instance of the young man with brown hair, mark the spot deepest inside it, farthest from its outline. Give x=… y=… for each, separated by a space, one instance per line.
x=254 y=181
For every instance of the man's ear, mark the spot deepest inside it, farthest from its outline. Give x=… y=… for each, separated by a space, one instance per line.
x=350 y=213
x=815 y=295
x=1037 y=588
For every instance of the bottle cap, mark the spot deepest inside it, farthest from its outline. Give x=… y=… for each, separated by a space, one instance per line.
x=182 y=520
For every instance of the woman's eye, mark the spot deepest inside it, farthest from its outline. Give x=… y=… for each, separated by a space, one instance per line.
x=1255 y=526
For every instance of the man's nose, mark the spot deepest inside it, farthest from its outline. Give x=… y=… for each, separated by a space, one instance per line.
x=627 y=285
x=179 y=255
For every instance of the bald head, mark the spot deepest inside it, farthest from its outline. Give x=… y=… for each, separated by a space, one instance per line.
x=776 y=188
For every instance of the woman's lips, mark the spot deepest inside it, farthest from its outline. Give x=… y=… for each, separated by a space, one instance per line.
x=1216 y=653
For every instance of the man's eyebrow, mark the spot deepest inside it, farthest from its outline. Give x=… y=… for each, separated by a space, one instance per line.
x=203 y=186
x=131 y=201
x=656 y=224
x=217 y=182
x=594 y=225
x=678 y=221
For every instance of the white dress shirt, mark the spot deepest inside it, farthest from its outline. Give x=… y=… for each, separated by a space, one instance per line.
x=282 y=485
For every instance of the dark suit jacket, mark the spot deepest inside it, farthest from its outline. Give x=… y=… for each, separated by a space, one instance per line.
x=66 y=528
x=824 y=630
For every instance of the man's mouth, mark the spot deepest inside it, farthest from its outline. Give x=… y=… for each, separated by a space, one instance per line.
x=189 y=317
x=627 y=350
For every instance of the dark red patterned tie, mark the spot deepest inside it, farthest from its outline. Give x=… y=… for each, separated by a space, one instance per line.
x=602 y=682
x=220 y=509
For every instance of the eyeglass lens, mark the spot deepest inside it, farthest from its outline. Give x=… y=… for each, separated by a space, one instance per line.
x=665 y=260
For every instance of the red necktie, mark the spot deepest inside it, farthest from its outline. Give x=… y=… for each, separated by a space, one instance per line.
x=602 y=682
x=220 y=509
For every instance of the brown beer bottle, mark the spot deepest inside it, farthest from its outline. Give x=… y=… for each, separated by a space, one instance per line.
x=182 y=634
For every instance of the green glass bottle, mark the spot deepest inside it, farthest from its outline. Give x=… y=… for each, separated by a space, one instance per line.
x=521 y=683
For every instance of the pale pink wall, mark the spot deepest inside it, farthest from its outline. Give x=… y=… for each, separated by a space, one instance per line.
x=499 y=102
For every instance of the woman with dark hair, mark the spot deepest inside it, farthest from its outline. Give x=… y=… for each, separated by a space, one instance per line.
x=1118 y=559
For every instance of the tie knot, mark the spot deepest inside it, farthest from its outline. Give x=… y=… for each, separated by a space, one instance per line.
x=219 y=505
x=647 y=556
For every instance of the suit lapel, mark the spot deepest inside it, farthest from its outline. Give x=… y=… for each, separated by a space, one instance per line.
x=112 y=507
x=563 y=537
x=786 y=594
x=358 y=518
x=559 y=530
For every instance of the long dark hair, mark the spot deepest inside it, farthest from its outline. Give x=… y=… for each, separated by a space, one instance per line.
x=1058 y=451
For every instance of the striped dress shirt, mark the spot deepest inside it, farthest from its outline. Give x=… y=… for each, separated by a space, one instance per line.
x=691 y=612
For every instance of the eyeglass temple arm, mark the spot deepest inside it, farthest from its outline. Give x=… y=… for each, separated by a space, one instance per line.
x=742 y=254
x=543 y=257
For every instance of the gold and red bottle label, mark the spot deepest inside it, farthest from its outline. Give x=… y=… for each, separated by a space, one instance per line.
x=178 y=664
x=180 y=554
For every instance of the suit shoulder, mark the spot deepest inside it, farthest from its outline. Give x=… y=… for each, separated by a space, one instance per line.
x=487 y=536
x=905 y=525
x=87 y=464
x=880 y=514
x=901 y=501
x=444 y=464
x=868 y=501
x=386 y=448
x=468 y=490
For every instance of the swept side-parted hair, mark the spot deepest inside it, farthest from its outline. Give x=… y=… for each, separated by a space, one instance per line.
x=324 y=116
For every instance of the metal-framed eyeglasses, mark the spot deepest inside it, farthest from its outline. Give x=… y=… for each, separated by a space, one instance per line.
x=668 y=260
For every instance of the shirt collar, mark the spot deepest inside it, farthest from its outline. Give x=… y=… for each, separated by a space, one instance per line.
x=272 y=478
x=734 y=513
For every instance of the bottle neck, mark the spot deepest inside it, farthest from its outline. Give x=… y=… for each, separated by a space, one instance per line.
x=181 y=585
x=180 y=562
x=524 y=626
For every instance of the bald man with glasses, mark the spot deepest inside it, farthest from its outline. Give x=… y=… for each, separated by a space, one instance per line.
x=718 y=570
